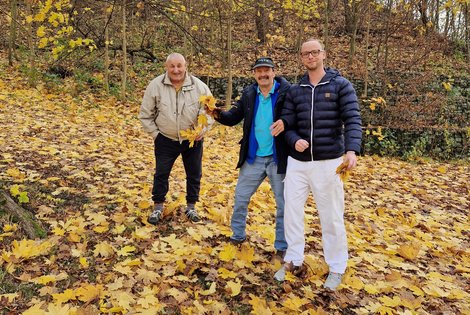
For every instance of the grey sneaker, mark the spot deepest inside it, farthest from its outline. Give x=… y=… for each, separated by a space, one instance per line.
x=280 y=275
x=191 y=213
x=333 y=281
x=298 y=271
x=157 y=214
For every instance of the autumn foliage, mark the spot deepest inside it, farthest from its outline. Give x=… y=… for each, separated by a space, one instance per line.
x=86 y=165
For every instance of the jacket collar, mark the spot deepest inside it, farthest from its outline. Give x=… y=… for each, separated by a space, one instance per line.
x=330 y=73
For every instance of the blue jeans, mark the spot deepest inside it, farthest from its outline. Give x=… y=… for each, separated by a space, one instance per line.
x=249 y=179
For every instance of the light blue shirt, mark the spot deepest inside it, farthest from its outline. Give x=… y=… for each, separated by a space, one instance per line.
x=264 y=120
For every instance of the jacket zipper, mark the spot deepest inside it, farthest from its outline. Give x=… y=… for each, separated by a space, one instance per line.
x=311 y=114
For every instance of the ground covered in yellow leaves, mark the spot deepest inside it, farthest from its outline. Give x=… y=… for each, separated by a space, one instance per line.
x=86 y=167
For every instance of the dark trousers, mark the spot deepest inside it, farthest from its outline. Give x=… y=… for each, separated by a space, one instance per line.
x=166 y=153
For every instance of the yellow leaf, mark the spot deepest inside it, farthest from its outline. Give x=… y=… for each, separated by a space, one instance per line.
x=103 y=249
x=227 y=253
x=416 y=290
x=83 y=262
x=343 y=172
x=143 y=233
x=126 y=250
x=35 y=310
x=44 y=279
x=447 y=86
x=234 y=287
x=202 y=120
x=88 y=292
x=435 y=291
x=211 y=290
x=409 y=252
x=9 y=297
x=442 y=169
x=246 y=255
x=355 y=283
x=143 y=204
x=259 y=306
x=10 y=228
x=41 y=31
x=224 y=273
x=294 y=303
x=15 y=190
x=396 y=301
x=369 y=288
x=15 y=173
x=65 y=296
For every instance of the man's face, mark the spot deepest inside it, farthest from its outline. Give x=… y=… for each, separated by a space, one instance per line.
x=264 y=76
x=176 y=68
x=312 y=55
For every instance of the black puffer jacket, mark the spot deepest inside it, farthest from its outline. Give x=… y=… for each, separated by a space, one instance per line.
x=325 y=115
x=243 y=110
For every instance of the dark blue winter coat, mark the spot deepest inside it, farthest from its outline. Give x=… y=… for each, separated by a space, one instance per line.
x=325 y=115
x=243 y=109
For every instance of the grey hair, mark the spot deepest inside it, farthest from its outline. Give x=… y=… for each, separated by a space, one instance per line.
x=174 y=55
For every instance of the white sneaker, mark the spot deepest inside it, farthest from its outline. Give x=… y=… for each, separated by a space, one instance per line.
x=333 y=281
x=280 y=275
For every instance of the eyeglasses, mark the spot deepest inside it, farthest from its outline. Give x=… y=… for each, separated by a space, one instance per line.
x=314 y=53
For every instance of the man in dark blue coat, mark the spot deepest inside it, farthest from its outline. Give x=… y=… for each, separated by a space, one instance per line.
x=322 y=131
x=262 y=148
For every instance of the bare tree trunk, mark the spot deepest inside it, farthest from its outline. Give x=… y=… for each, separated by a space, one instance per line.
x=187 y=45
x=228 y=97
x=436 y=15
x=366 y=54
x=32 y=50
x=351 y=8
x=124 y=52
x=30 y=226
x=106 y=52
x=447 y=22
x=261 y=20
x=467 y=28
x=326 y=28
x=300 y=36
x=12 y=37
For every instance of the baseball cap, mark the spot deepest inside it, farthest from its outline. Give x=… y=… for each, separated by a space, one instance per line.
x=263 y=62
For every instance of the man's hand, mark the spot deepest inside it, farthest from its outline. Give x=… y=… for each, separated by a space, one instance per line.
x=277 y=127
x=301 y=145
x=199 y=137
x=215 y=112
x=350 y=159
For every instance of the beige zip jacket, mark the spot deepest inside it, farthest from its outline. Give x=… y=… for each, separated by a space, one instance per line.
x=166 y=111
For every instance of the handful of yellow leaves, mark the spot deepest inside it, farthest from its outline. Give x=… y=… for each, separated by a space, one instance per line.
x=343 y=172
x=193 y=133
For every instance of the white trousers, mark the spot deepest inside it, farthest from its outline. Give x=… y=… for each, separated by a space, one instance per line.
x=321 y=179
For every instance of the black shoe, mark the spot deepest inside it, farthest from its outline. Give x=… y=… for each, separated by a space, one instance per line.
x=157 y=214
x=191 y=213
x=280 y=253
x=236 y=242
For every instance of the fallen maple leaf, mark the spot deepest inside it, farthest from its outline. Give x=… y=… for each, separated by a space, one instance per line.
x=259 y=306
x=227 y=253
x=343 y=172
x=409 y=252
x=234 y=288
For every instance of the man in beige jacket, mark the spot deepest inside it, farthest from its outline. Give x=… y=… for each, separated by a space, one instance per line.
x=170 y=105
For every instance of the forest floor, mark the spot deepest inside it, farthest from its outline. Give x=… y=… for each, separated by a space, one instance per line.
x=86 y=167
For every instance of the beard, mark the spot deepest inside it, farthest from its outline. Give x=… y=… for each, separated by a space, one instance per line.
x=312 y=66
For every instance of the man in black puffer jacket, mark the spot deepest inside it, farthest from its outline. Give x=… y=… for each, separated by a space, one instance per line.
x=263 y=152
x=323 y=131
